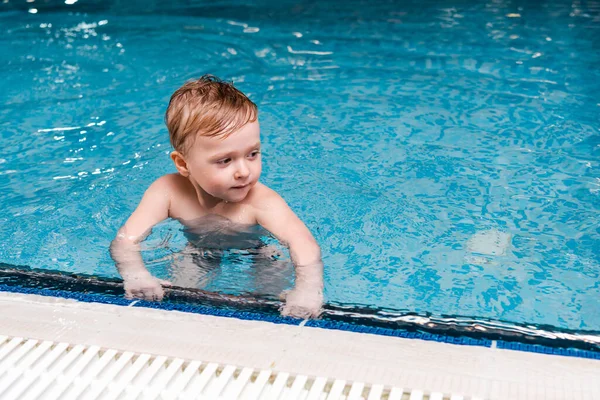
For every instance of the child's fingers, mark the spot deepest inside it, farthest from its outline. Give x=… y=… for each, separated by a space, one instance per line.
x=286 y=311
x=165 y=283
x=296 y=312
x=158 y=293
x=145 y=294
x=300 y=311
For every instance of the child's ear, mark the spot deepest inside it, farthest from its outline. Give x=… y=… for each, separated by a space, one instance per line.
x=180 y=163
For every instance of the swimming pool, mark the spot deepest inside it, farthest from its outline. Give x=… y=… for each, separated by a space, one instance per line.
x=404 y=135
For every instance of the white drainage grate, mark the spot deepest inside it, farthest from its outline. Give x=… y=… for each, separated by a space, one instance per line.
x=32 y=369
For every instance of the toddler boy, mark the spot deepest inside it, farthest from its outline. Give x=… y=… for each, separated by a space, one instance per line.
x=214 y=130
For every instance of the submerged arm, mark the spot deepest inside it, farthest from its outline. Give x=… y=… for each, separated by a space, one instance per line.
x=306 y=299
x=125 y=248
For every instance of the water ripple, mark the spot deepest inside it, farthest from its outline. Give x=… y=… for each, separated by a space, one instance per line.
x=397 y=131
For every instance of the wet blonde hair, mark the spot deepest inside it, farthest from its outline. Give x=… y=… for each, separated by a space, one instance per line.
x=208 y=107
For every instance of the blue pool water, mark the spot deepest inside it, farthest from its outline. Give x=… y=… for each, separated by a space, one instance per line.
x=404 y=134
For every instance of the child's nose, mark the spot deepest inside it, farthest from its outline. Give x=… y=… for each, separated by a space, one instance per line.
x=242 y=170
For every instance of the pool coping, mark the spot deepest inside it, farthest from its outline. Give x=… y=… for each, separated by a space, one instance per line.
x=485 y=372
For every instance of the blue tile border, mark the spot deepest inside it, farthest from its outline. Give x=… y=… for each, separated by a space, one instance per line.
x=535 y=348
x=343 y=326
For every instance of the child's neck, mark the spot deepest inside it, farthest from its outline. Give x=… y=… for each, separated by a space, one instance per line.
x=207 y=201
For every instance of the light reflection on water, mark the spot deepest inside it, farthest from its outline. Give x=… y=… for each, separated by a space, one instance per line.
x=397 y=131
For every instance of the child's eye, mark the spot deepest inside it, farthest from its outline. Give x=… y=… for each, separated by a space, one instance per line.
x=224 y=161
x=254 y=154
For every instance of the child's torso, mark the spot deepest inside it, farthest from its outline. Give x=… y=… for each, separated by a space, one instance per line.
x=217 y=232
x=230 y=225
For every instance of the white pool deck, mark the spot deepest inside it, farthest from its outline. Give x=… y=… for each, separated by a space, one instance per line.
x=423 y=366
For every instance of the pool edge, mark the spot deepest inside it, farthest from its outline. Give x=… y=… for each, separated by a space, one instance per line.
x=489 y=373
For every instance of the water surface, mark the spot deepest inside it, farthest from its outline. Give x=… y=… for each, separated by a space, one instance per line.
x=398 y=131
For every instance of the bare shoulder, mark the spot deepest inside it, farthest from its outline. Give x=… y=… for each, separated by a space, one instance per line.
x=171 y=184
x=154 y=207
x=168 y=190
x=263 y=198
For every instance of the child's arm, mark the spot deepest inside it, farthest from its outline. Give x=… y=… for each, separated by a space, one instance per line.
x=125 y=248
x=273 y=214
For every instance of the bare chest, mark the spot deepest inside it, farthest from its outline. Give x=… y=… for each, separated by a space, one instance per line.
x=187 y=208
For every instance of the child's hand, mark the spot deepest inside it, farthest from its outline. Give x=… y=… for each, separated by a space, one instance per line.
x=144 y=286
x=302 y=303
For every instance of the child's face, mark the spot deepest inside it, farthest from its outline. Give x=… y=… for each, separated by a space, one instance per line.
x=227 y=168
